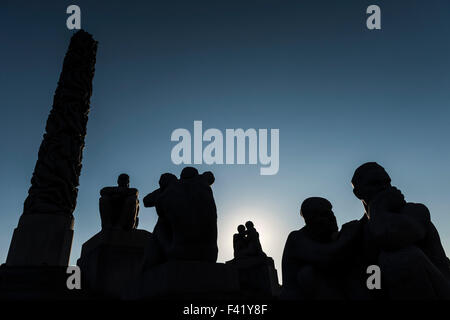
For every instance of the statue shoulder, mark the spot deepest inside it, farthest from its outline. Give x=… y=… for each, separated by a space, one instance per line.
x=107 y=191
x=133 y=191
x=295 y=236
x=417 y=210
x=118 y=191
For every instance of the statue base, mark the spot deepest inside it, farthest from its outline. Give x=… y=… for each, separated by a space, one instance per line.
x=38 y=283
x=41 y=240
x=112 y=259
x=257 y=276
x=187 y=280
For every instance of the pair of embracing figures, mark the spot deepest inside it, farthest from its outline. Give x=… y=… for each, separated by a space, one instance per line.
x=187 y=218
x=396 y=236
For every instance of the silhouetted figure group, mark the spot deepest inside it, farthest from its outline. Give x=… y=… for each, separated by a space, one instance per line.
x=246 y=242
x=319 y=260
x=321 y=263
x=400 y=237
x=187 y=217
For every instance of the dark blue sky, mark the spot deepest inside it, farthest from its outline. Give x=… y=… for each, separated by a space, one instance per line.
x=340 y=94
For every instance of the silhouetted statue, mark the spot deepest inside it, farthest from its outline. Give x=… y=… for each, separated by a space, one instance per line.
x=119 y=206
x=246 y=242
x=187 y=216
x=240 y=242
x=400 y=238
x=162 y=231
x=254 y=245
x=315 y=257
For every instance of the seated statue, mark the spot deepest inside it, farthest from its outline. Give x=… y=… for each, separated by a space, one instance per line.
x=119 y=206
x=400 y=238
x=315 y=257
x=187 y=216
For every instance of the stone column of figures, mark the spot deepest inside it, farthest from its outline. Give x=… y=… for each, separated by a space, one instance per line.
x=45 y=230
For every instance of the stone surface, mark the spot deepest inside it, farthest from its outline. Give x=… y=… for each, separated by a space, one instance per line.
x=188 y=279
x=37 y=283
x=44 y=239
x=112 y=259
x=257 y=276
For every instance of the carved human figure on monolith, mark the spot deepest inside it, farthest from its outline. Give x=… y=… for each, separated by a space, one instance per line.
x=400 y=238
x=315 y=257
x=119 y=206
x=187 y=216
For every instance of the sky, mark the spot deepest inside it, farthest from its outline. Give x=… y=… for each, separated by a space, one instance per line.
x=340 y=95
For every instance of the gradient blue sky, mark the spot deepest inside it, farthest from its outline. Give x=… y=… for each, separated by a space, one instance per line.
x=340 y=94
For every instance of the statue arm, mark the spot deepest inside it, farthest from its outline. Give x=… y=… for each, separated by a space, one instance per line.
x=321 y=255
x=150 y=199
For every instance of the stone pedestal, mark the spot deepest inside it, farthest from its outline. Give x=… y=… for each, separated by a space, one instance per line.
x=257 y=276
x=41 y=240
x=112 y=259
x=37 y=283
x=188 y=280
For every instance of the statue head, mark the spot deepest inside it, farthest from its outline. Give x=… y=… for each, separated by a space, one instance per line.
x=188 y=172
x=319 y=217
x=368 y=180
x=166 y=179
x=123 y=180
x=249 y=225
x=241 y=228
x=209 y=177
